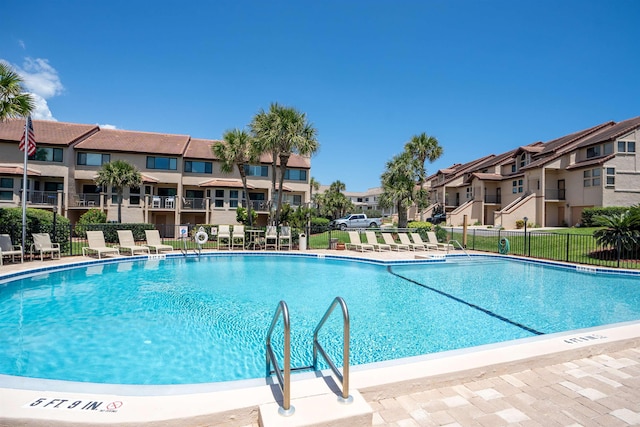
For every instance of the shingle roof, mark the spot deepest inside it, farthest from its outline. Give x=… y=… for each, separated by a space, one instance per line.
x=225 y=183
x=559 y=143
x=135 y=142
x=46 y=132
x=591 y=162
x=15 y=169
x=200 y=149
x=615 y=131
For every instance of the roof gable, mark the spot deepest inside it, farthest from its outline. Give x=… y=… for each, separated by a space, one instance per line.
x=47 y=132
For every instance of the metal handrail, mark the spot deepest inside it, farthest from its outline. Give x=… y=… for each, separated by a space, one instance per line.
x=284 y=380
x=344 y=377
x=460 y=246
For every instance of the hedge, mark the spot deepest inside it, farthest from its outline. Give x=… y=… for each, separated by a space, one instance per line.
x=38 y=221
x=110 y=230
x=589 y=213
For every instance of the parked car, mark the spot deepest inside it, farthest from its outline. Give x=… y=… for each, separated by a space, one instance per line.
x=355 y=221
x=438 y=218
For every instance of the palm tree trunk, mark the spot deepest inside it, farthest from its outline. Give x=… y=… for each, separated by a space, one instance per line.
x=284 y=159
x=119 y=207
x=243 y=177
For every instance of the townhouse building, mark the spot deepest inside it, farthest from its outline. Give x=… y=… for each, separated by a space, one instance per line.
x=549 y=183
x=182 y=179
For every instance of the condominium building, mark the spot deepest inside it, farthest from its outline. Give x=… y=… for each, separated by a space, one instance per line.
x=549 y=183
x=182 y=178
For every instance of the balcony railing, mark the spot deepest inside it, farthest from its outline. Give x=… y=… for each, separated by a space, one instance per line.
x=162 y=202
x=492 y=198
x=257 y=205
x=555 y=194
x=194 y=203
x=85 y=200
x=49 y=198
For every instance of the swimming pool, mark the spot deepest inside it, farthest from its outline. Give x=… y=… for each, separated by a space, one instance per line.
x=192 y=321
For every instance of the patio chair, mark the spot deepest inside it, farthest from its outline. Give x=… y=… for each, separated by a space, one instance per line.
x=271 y=237
x=284 y=239
x=404 y=239
x=97 y=245
x=373 y=240
x=237 y=237
x=224 y=233
x=356 y=244
x=388 y=239
x=42 y=245
x=156 y=201
x=155 y=242
x=8 y=249
x=434 y=240
x=128 y=244
x=417 y=238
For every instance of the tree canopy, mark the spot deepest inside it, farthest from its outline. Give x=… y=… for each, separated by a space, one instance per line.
x=14 y=102
x=118 y=175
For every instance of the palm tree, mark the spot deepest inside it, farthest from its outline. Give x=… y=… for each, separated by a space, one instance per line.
x=335 y=202
x=398 y=186
x=13 y=101
x=238 y=148
x=281 y=132
x=118 y=175
x=422 y=148
x=620 y=232
x=313 y=186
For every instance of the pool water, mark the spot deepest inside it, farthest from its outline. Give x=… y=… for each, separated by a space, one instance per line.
x=182 y=321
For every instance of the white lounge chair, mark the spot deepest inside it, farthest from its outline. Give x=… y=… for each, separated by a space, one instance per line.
x=8 y=249
x=42 y=245
x=434 y=240
x=224 y=233
x=373 y=240
x=355 y=243
x=404 y=239
x=128 y=244
x=237 y=237
x=388 y=239
x=417 y=238
x=271 y=237
x=284 y=239
x=155 y=242
x=97 y=245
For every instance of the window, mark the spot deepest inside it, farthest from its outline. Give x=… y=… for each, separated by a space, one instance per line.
x=611 y=177
x=297 y=200
x=626 y=146
x=513 y=168
x=134 y=195
x=48 y=155
x=295 y=175
x=517 y=186
x=53 y=186
x=218 y=200
x=6 y=183
x=591 y=177
x=256 y=170
x=469 y=193
x=233 y=198
x=166 y=163
x=523 y=160
x=197 y=167
x=93 y=159
x=608 y=148
x=593 y=152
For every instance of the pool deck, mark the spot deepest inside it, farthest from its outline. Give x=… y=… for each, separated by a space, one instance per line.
x=579 y=378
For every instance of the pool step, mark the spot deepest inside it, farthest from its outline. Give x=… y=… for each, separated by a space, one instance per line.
x=319 y=410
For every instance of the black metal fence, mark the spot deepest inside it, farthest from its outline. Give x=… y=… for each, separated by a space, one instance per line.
x=557 y=246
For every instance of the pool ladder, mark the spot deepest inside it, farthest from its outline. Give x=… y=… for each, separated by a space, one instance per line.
x=185 y=251
x=284 y=375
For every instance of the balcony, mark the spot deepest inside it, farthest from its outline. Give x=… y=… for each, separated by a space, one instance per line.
x=162 y=202
x=493 y=199
x=257 y=205
x=47 y=198
x=192 y=203
x=83 y=200
x=554 y=194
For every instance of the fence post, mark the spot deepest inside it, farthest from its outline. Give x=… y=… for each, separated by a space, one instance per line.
x=567 y=248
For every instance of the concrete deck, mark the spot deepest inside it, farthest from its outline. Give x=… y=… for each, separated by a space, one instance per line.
x=589 y=378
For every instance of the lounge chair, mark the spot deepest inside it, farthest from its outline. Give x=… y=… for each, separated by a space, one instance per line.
x=434 y=240
x=237 y=238
x=271 y=237
x=284 y=239
x=97 y=245
x=388 y=239
x=8 y=249
x=373 y=241
x=128 y=244
x=224 y=233
x=417 y=238
x=42 y=245
x=155 y=242
x=404 y=239
x=355 y=243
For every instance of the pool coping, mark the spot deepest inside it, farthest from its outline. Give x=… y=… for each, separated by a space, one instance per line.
x=237 y=402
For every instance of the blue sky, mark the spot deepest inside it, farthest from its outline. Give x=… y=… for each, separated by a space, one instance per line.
x=481 y=76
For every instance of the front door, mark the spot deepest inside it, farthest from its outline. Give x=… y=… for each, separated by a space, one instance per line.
x=561 y=190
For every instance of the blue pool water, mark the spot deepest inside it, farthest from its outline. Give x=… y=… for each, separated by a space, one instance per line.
x=180 y=321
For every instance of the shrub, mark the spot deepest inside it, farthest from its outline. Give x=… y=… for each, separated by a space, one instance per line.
x=110 y=230
x=519 y=223
x=92 y=216
x=588 y=214
x=38 y=221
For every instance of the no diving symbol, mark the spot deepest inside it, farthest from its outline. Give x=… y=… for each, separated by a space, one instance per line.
x=114 y=405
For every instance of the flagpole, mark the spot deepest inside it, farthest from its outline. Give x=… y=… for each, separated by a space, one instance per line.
x=24 y=186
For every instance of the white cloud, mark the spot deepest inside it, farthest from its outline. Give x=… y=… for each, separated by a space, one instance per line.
x=21 y=44
x=107 y=126
x=43 y=82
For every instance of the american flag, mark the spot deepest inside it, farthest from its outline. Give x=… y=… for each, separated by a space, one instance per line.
x=29 y=138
